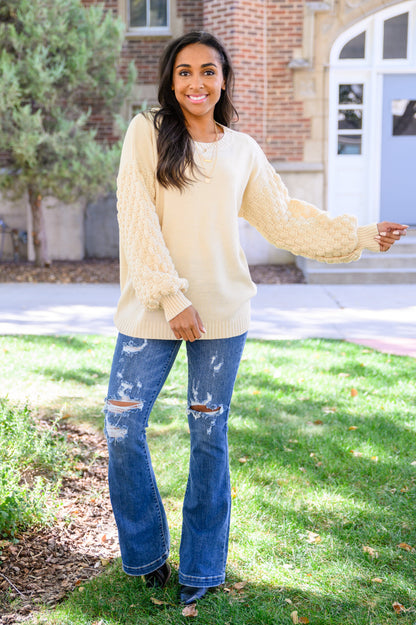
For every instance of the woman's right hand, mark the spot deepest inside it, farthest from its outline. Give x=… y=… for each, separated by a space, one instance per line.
x=187 y=325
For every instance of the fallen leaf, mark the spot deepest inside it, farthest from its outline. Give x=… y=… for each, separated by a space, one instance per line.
x=255 y=392
x=374 y=458
x=319 y=464
x=294 y=617
x=328 y=410
x=413 y=463
x=158 y=601
x=356 y=454
x=303 y=619
x=353 y=392
x=233 y=492
x=314 y=538
x=406 y=547
x=289 y=601
x=398 y=607
x=190 y=610
x=243 y=459
x=318 y=422
x=104 y=562
x=371 y=552
x=239 y=585
x=352 y=427
x=378 y=580
x=293 y=440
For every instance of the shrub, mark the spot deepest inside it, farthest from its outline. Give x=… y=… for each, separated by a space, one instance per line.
x=32 y=461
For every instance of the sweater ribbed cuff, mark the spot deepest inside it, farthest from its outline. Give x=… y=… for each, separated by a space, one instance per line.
x=174 y=304
x=366 y=236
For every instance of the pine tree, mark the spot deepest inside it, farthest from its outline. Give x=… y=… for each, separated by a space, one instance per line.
x=58 y=59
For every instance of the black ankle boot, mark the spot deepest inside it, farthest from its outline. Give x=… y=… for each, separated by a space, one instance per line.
x=158 y=578
x=190 y=594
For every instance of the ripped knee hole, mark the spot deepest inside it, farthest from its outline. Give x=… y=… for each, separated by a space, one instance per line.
x=202 y=408
x=121 y=406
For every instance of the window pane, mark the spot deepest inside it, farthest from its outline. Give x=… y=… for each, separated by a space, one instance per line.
x=349 y=144
x=158 y=12
x=138 y=13
x=355 y=48
x=351 y=94
x=350 y=119
x=395 y=37
x=404 y=117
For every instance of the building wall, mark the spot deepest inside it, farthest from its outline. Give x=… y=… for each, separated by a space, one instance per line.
x=280 y=50
x=261 y=36
x=323 y=22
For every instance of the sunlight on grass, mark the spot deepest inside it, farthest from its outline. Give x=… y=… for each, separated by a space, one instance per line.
x=322 y=455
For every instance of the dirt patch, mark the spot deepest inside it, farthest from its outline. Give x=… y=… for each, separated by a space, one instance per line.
x=105 y=271
x=93 y=271
x=276 y=274
x=41 y=566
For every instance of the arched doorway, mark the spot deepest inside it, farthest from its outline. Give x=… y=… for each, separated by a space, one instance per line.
x=372 y=118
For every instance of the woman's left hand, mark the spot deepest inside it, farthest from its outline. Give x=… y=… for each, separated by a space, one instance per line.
x=389 y=232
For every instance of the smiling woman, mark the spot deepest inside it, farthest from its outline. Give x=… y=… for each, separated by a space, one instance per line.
x=195 y=70
x=197 y=84
x=185 y=178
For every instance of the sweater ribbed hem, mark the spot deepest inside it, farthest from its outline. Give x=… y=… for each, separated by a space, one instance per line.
x=215 y=329
x=174 y=304
x=366 y=236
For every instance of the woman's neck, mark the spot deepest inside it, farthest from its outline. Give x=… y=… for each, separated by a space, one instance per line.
x=205 y=131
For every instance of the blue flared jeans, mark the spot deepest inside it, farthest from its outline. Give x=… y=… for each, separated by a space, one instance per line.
x=140 y=368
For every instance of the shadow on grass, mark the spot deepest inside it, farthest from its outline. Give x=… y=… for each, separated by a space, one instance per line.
x=354 y=487
x=114 y=597
x=75 y=342
x=84 y=375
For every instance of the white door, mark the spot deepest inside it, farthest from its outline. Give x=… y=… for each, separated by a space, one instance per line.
x=398 y=149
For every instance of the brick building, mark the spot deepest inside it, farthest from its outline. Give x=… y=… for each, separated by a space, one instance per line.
x=328 y=89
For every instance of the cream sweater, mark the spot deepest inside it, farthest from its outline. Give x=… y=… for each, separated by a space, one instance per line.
x=181 y=248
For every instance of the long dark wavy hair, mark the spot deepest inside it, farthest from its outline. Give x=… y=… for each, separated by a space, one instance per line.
x=174 y=146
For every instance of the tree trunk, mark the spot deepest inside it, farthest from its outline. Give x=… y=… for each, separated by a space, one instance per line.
x=38 y=229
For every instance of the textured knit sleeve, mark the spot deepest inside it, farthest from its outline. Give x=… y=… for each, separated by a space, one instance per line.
x=150 y=267
x=297 y=226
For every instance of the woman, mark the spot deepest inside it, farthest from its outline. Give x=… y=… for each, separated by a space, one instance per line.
x=185 y=177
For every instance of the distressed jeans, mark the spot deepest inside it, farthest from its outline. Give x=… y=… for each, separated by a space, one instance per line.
x=140 y=368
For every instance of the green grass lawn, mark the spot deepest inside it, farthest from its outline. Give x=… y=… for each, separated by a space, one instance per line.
x=323 y=473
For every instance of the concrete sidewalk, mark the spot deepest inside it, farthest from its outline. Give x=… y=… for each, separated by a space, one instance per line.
x=381 y=316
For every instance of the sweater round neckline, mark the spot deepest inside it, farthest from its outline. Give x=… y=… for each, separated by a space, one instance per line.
x=219 y=141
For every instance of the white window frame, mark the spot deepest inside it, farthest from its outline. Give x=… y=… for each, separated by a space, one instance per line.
x=150 y=31
x=350 y=106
